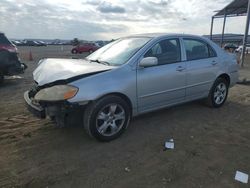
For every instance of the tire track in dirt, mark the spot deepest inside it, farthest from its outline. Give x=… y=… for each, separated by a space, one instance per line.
x=15 y=131
x=16 y=127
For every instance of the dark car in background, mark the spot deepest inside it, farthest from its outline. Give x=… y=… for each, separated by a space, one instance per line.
x=42 y=43
x=31 y=43
x=87 y=47
x=9 y=61
x=230 y=47
x=28 y=43
x=17 y=42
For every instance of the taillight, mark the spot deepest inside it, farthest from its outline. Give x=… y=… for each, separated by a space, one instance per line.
x=11 y=49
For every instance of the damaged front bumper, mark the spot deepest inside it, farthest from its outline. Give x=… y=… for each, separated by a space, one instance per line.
x=35 y=109
x=51 y=109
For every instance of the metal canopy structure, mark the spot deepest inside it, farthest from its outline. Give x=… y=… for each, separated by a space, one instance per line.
x=235 y=8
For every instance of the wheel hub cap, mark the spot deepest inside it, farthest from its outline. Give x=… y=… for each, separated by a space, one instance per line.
x=220 y=93
x=110 y=119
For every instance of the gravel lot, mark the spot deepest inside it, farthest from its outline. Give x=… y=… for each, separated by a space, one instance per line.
x=210 y=144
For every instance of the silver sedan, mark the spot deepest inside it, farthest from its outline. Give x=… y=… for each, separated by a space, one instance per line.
x=131 y=76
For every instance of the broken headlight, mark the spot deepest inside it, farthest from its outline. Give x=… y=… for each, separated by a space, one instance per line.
x=56 y=93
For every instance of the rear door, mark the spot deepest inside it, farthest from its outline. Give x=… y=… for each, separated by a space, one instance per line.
x=164 y=84
x=202 y=67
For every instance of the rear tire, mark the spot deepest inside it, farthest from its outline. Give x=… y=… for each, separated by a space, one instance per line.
x=4 y=57
x=1 y=78
x=74 y=51
x=218 y=93
x=107 y=118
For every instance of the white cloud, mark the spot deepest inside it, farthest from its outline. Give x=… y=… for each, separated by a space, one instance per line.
x=96 y=19
x=106 y=7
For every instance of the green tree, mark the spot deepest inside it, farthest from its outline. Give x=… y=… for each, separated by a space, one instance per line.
x=75 y=42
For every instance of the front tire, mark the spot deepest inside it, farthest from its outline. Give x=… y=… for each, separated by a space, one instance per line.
x=107 y=118
x=218 y=93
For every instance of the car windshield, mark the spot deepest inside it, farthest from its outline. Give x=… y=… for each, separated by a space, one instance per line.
x=119 y=51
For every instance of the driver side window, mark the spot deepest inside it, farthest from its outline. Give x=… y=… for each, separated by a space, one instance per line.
x=166 y=51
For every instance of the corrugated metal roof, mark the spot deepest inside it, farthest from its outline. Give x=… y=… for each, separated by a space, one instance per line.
x=235 y=8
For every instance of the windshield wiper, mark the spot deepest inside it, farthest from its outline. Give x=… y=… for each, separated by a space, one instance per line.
x=98 y=61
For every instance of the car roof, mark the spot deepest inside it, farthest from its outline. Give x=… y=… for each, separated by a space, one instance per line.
x=158 y=35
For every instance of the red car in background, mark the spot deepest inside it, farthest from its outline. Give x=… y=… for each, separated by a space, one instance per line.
x=87 y=47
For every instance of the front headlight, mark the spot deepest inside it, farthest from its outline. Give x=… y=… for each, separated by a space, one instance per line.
x=56 y=93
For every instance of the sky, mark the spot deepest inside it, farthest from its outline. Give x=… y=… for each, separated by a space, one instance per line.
x=110 y=19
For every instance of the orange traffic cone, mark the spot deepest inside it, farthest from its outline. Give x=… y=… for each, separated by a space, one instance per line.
x=30 y=56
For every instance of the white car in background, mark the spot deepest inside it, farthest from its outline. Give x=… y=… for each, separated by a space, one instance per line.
x=239 y=49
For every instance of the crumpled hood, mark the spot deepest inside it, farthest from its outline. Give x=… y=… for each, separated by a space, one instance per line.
x=52 y=69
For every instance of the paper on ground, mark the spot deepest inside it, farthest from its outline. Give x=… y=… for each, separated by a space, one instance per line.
x=242 y=177
x=169 y=144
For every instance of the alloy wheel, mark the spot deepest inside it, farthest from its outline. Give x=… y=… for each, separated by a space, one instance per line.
x=220 y=93
x=110 y=119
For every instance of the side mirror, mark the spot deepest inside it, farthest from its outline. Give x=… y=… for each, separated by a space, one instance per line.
x=148 y=62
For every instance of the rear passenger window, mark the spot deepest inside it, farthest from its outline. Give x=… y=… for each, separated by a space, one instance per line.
x=195 y=49
x=166 y=51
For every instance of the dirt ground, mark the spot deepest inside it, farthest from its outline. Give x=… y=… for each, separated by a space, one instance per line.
x=210 y=144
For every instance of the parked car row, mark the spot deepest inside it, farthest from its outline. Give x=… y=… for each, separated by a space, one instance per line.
x=38 y=43
x=28 y=43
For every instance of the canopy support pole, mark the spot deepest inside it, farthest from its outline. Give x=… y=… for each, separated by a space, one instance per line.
x=223 y=29
x=211 y=28
x=245 y=36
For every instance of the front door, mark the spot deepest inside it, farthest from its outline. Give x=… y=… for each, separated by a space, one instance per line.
x=164 y=84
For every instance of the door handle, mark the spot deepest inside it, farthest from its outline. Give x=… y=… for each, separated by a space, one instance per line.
x=180 y=68
x=214 y=63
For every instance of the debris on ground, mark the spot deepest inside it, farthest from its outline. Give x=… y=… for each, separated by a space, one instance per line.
x=166 y=180
x=169 y=144
x=241 y=177
x=127 y=169
x=27 y=134
x=13 y=77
